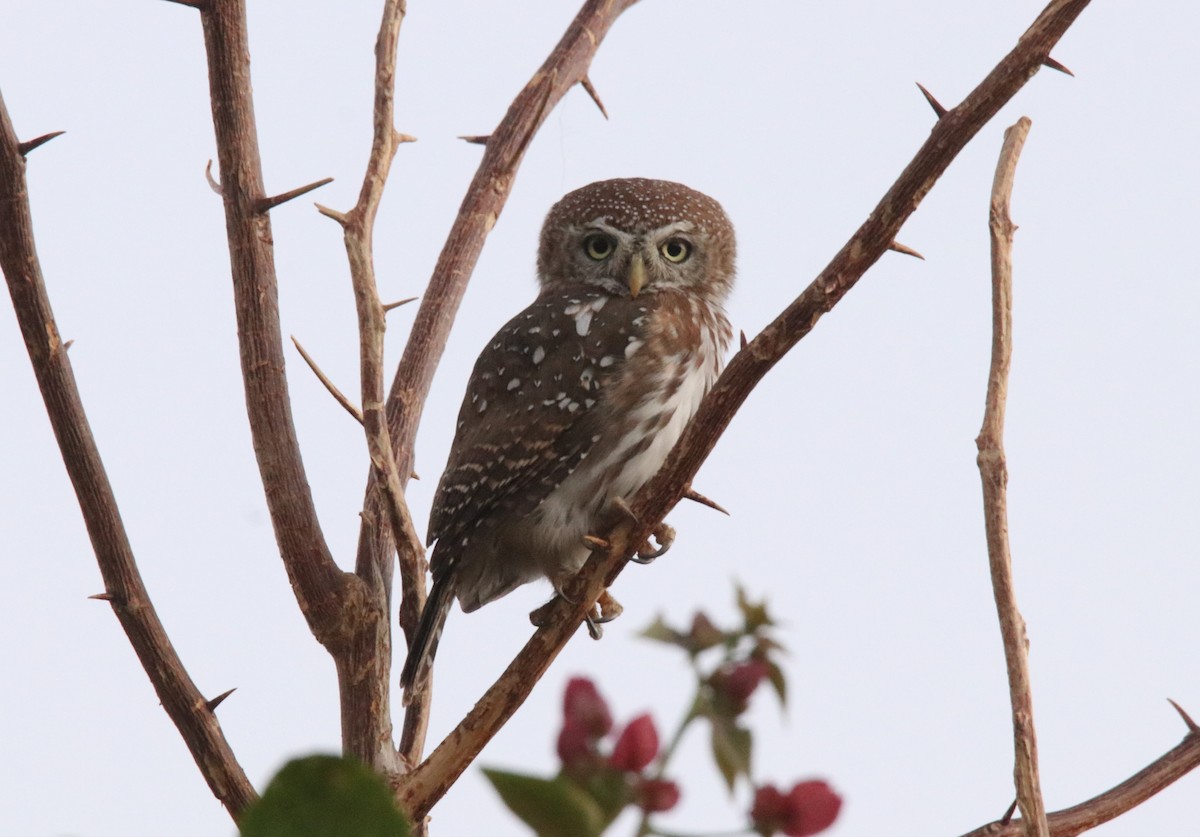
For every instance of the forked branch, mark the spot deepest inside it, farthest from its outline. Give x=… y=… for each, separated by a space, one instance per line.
x=1159 y=774
x=425 y=785
x=191 y=713
x=366 y=705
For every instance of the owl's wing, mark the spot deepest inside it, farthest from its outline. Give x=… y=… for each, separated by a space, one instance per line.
x=533 y=409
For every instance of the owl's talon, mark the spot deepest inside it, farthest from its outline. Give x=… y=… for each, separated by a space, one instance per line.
x=595 y=631
x=665 y=535
x=539 y=616
x=608 y=608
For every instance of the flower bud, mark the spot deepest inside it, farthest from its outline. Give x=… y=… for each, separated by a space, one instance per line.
x=657 y=795
x=637 y=746
x=584 y=707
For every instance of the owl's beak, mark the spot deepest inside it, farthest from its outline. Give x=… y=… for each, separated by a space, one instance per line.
x=637 y=276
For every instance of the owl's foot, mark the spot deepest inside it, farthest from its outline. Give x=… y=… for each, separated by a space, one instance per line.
x=605 y=610
x=664 y=533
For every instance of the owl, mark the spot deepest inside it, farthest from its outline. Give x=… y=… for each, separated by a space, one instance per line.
x=575 y=403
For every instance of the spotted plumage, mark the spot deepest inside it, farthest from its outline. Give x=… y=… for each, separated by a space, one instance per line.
x=578 y=399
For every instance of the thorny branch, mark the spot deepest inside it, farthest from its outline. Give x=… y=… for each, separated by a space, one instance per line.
x=421 y=789
x=322 y=590
x=993 y=471
x=123 y=587
x=367 y=727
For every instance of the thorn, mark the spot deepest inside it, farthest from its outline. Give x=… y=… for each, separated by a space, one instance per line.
x=1008 y=815
x=212 y=183
x=933 y=103
x=1192 y=726
x=109 y=597
x=742 y=338
x=595 y=544
x=24 y=148
x=195 y=4
x=476 y=139
x=393 y=305
x=400 y=138
x=1054 y=65
x=67 y=345
x=415 y=476
x=340 y=217
x=620 y=505
x=897 y=247
x=696 y=497
x=219 y=699
x=329 y=385
x=591 y=91
x=267 y=204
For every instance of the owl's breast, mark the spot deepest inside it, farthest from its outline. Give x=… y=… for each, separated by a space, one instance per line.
x=647 y=404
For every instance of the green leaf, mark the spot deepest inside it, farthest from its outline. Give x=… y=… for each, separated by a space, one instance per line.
x=660 y=631
x=753 y=613
x=778 y=681
x=611 y=792
x=551 y=807
x=731 y=749
x=325 y=796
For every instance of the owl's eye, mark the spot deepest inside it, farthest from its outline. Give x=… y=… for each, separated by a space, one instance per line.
x=675 y=250
x=598 y=247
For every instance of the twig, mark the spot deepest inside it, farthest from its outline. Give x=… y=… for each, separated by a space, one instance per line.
x=993 y=471
x=367 y=727
x=124 y=590
x=425 y=785
x=338 y=395
x=1159 y=774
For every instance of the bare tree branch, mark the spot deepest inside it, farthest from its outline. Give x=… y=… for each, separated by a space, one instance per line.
x=124 y=590
x=567 y=65
x=321 y=588
x=366 y=705
x=1159 y=774
x=421 y=789
x=993 y=471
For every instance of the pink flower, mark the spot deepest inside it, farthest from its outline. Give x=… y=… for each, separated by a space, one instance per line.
x=656 y=795
x=575 y=746
x=808 y=808
x=736 y=683
x=637 y=746
x=584 y=707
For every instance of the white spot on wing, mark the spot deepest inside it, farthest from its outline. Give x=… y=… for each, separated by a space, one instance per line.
x=539 y=354
x=583 y=322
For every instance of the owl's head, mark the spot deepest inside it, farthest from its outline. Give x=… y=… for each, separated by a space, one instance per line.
x=636 y=236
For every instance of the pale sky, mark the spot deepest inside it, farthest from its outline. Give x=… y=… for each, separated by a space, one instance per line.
x=850 y=473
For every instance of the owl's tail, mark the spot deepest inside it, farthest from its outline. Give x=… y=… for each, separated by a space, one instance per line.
x=424 y=644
